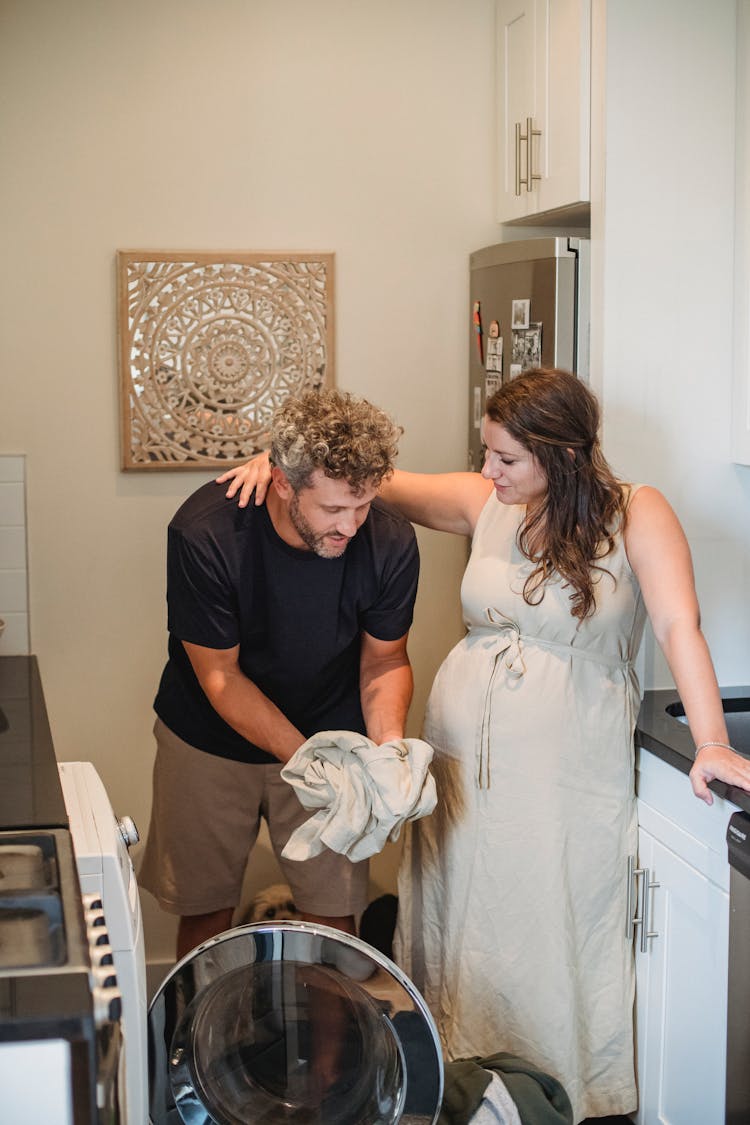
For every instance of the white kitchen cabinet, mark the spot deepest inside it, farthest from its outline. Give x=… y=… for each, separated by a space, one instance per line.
x=681 y=963
x=741 y=390
x=543 y=74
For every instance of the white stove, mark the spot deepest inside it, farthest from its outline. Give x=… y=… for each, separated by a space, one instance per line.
x=100 y=844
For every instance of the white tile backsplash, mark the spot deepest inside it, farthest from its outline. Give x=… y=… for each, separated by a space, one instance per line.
x=12 y=505
x=13 y=592
x=14 y=581
x=12 y=548
x=15 y=638
x=12 y=469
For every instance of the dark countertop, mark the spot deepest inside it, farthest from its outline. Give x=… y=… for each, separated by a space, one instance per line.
x=665 y=736
x=30 y=790
x=46 y=993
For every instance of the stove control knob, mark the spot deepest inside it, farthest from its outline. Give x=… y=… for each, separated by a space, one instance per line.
x=101 y=955
x=94 y=919
x=107 y=1005
x=128 y=830
x=104 y=976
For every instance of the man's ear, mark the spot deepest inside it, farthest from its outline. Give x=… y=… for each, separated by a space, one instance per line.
x=281 y=483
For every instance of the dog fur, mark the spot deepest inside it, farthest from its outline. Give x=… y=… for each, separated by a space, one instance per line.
x=273 y=903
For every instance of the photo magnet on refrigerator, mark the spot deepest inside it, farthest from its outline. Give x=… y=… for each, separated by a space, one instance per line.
x=477 y=322
x=494 y=356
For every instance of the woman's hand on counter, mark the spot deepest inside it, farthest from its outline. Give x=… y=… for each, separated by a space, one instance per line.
x=716 y=763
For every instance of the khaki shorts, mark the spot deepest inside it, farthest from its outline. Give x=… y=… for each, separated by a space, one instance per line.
x=205 y=819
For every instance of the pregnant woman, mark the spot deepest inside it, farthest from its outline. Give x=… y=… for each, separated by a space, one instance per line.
x=512 y=895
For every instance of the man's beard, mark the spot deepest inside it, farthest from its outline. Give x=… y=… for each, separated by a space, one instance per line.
x=316 y=543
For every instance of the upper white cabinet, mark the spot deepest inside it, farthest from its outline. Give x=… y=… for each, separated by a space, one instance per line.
x=543 y=105
x=741 y=402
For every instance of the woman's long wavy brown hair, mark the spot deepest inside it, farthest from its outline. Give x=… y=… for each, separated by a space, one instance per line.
x=556 y=417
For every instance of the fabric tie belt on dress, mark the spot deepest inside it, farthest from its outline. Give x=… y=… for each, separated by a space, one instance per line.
x=509 y=644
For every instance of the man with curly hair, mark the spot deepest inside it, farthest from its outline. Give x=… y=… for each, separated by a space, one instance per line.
x=286 y=618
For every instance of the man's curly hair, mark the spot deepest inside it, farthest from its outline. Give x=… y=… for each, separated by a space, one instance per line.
x=346 y=437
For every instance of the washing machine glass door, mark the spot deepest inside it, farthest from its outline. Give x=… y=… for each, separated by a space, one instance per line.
x=288 y=1021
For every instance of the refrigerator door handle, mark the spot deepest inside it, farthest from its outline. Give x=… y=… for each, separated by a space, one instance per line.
x=518 y=158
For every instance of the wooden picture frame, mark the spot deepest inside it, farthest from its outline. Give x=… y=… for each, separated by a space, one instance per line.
x=210 y=344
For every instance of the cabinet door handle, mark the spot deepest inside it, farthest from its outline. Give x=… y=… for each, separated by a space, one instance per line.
x=648 y=887
x=528 y=136
x=518 y=157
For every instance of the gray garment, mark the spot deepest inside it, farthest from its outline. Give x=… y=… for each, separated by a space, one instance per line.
x=502 y=1088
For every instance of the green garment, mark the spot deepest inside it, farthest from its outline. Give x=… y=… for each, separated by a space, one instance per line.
x=539 y=1098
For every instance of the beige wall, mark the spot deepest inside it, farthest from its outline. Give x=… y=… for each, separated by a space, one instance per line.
x=361 y=128
x=664 y=292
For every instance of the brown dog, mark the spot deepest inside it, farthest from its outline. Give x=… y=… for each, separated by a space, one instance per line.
x=271 y=904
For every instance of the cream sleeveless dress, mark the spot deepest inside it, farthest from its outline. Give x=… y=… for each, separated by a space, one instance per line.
x=512 y=895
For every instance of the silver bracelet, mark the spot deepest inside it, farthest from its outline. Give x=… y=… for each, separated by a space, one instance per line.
x=723 y=745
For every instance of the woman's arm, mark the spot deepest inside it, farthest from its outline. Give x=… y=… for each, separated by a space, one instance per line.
x=660 y=557
x=442 y=501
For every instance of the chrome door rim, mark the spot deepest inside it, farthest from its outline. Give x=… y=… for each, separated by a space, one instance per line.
x=391 y=1013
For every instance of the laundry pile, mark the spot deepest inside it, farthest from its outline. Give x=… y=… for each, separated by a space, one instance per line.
x=502 y=1089
x=363 y=793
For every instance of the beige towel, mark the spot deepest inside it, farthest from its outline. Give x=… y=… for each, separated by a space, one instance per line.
x=363 y=792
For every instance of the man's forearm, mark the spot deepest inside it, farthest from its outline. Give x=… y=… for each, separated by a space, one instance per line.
x=243 y=705
x=386 y=690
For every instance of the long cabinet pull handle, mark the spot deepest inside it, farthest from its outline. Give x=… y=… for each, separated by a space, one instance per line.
x=648 y=887
x=527 y=139
x=531 y=132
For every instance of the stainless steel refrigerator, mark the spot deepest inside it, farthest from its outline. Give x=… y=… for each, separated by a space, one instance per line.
x=529 y=307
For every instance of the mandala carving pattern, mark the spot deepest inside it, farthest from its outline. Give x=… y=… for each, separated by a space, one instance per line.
x=211 y=346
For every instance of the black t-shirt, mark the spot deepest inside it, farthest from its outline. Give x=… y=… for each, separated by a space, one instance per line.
x=298 y=618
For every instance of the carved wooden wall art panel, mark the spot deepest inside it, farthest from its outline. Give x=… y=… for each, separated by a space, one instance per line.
x=210 y=344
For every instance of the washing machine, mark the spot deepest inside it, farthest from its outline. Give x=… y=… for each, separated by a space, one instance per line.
x=100 y=842
x=291 y=1022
